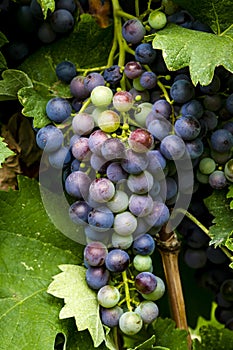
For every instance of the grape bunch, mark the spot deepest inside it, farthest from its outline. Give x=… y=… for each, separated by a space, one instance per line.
x=133 y=141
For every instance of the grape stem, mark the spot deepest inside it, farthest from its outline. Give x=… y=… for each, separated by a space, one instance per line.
x=127 y=292
x=169 y=248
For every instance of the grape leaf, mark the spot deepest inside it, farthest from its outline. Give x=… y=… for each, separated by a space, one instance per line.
x=230 y=195
x=5 y=152
x=168 y=336
x=13 y=80
x=148 y=344
x=47 y=5
x=80 y=301
x=93 y=43
x=201 y=51
x=217 y=14
x=214 y=339
x=219 y=207
x=31 y=249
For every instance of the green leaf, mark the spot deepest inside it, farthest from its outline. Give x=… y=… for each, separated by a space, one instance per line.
x=217 y=14
x=168 y=336
x=47 y=5
x=218 y=206
x=31 y=249
x=3 y=41
x=230 y=195
x=80 y=301
x=148 y=344
x=5 y=152
x=214 y=339
x=87 y=46
x=13 y=80
x=201 y=51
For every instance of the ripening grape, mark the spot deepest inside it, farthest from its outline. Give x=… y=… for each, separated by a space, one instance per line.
x=109 y=121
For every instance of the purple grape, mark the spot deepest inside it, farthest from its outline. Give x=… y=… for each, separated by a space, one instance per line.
x=62 y=21
x=101 y=218
x=117 y=260
x=97 y=277
x=133 y=31
x=95 y=253
x=78 y=89
x=79 y=211
x=148 y=80
x=144 y=245
x=92 y=80
x=65 y=71
x=145 y=53
x=49 y=138
x=77 y=184
x=58 y=109
x=133 y=69
x=145 y=282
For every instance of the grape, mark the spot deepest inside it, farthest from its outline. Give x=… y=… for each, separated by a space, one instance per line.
x=92 y=80
x=108 y=296
x=148 y=80
x=101 y=96
x=229 y=103
x=228 y=126
x=81 y=150
x=141 y=183
x=123 y=101
x=110 y=317
x=121 y=242
x=171 y=188
x=125 y=223
x=95 y=141
x=69 y=5
x=207 y=165
x=65 y=71
x=143 y=245
x=148 y=311
x=157 y=162
x=157 y=293
x=101 y=190
x=182 y=91
x=137 y=85
x=119 y=202
x=226 y=289
x=60 y=158
x=133 y=69
x=193 y=108
x=49 y=138
x=117 y=260
x=194 y=148
x=78 y=89
x=220 y=158
x=210 y=119
x=188 y=128
x=58 y=109
x=143 y=96
x=94 y=235
x=195 y=258
x=109 y=121
x=222 y=302
x=182 y=18
x=157 y=19
x=142 y=112
x=113 y=75
x=221 y=140
x=134 y=163
x=101 y=218
x=112 y=148
x=159 y=215
x=203 y=27
x=217 y=179
x=98 y=163
x=159 y=128
x=162 y=108
x=82 y=123
x=77 y=184
x=75 y=165
x=228 y=170
x=142 y=263
x=79 y=211
x=216 y=255
x=61 y=21
x=36 y=10
x=140 y=205
x=172 y=147
x=145 y=282
x=145 y=53
x=95 y=253
x=212 y=102
x=130 y=323
x=133 y=31
x=97 y=277
x=140 y=140
x=46 y=34
x=115 y=172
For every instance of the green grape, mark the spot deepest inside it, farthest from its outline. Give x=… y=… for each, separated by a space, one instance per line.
x=158 y=292
x=142 y=262
x=228 y=170
x=130 y=323
x=207 y=165
x=108 y=296
x=119 y=202
x=141 y=113
x=101 y=96
x=109 y=121
x=169 y=7
x=137 y=85
x=202 y=178
x=157 y=19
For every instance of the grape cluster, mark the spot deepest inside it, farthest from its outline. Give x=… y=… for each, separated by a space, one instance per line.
x=129 y=161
